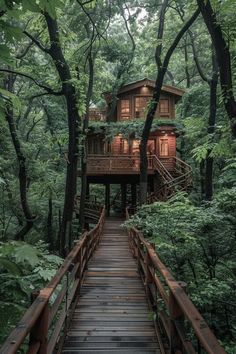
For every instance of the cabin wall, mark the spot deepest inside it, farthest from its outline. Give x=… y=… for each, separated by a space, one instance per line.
x=133 y=105
x=96 y=144
x=116 y=145
x=163 y=144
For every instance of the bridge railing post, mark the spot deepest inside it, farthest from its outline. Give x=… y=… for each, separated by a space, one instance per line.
x=176 y=315
x=148 y=278
x=39 y=332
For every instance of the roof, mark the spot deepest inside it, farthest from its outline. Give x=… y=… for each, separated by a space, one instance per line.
x=151 y=83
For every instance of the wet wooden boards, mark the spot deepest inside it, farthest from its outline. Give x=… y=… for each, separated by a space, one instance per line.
x=112 y=315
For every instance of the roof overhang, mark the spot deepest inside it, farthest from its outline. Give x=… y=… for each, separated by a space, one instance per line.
x=177 y=92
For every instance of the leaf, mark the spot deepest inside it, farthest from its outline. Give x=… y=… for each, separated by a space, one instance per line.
x=52 y=258
x=9 y=266
x=13 y=33
x=30 y=5
x=2 y=181
x=45 y=274
x=27 y=254
x=5 y=54
x=91 y=5
x=11 y=96
x=48 y=7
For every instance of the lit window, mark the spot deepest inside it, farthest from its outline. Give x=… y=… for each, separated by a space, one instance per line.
x=125 y=109
x=124 y=146
x=151 y=147
x=135 y=146
x=141 y=105
x=164 y=147
x=164 y=106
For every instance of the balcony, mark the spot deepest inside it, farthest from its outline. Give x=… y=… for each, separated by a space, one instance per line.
x=96 y=114
x=116 y=164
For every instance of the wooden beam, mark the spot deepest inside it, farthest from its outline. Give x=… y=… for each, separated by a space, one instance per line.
x=107 y=197
x=123 y=197
x=134 y=194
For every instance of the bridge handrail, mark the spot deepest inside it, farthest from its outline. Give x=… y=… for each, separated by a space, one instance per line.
x=161 y=285
x=39 y=316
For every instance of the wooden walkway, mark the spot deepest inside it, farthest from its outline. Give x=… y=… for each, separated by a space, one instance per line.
x=112 y=315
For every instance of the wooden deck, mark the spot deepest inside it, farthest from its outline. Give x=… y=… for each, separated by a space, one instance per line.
x=112 y=315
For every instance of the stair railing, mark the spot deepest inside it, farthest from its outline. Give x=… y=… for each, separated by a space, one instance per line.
x=175 y=314
x=171 y=184
x=159 y=166
x=43 y=326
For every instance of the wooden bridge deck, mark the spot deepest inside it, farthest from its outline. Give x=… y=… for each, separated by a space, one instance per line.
x=112 y=315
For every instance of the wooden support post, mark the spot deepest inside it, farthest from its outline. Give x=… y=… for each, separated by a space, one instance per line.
x=39 y=332
x=148 y=279
x=87 y=189
x=176 y=314
x=133 y=195
x=107 y=201
x=123 y=197
x=151 y=184
x=86 y=224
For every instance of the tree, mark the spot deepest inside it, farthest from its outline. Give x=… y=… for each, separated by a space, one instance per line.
x=162 y=68
x=223 y=58
x=212 y=82
x=23 y=177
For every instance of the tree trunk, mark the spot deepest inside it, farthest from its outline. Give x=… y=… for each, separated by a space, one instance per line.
x=188 y=79
x=223 y=59
x=70 y=94
x=107 y=198
x=84 y=152
x=211 y=129
x=22 y=175
x=162 y=68
x=50 y=223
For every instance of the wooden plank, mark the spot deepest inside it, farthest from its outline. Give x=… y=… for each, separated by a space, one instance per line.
x=112 y=314
x=113 y=345
x=113 y=339
x=105 y=351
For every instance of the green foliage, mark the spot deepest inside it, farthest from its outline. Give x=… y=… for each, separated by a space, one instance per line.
x=184 y=232
x=23 y=269
x=198 y=244
x=127 y=128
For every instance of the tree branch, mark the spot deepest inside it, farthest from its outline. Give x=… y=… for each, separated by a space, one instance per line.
x=37 y=42
x=178 y=38
x=196 y=59
x=223 y=58
x=160 y=33
x=46 y=88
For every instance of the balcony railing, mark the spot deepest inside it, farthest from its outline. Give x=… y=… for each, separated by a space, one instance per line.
x=96 y=114
x=115 y=164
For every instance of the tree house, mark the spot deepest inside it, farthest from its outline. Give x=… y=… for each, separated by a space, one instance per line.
x=117 y=161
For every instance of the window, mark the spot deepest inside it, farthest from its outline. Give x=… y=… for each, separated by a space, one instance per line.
x=140 y=106
x=164 y=106
x=164 y=147
x=124 y=148
x=151 y=147
x=135 y=147
x=125 y=109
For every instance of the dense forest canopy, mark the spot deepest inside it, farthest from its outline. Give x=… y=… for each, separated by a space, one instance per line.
x=57 y=58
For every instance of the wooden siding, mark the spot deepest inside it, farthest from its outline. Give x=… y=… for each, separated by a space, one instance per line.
x=116 y=145
x=96 y=144
x=145 y=92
